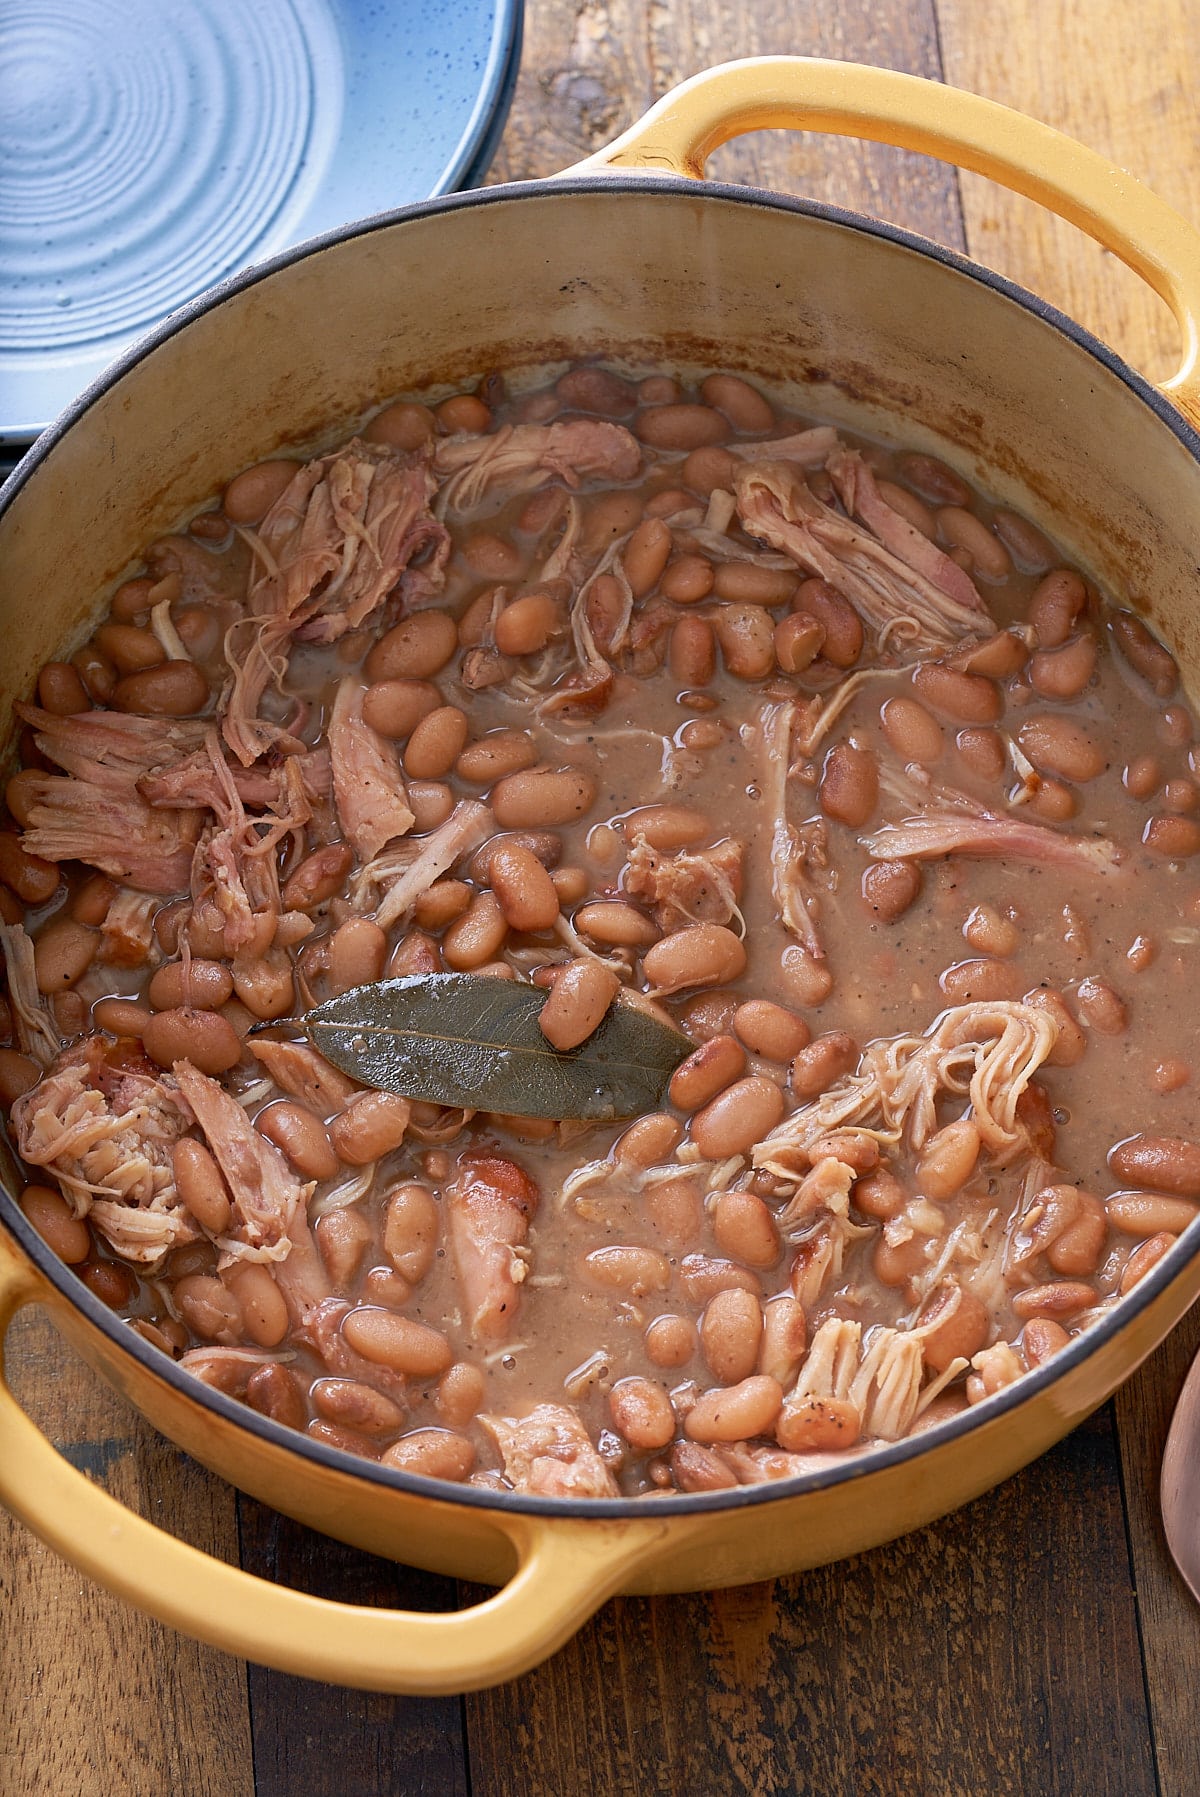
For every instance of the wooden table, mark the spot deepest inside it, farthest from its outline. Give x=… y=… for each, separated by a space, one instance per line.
x=1038 y=1642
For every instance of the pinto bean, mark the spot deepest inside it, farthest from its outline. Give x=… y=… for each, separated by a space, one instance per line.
x=91 y=902
x=343 y=1238
x=703 y=954
x=131 y=648
x=201 y=1185
x=849 y=788
x=1150 y=1213
x=703 y=1275
x=822 y=1063
x=1168 y=1163
x=318 y=878
x=274 y=1391
x=463 y=412
x=33 y=880
x=803 y=977
x=990 y=560
x=890 y=888
x=954 y=1324
x=436 y=743
x=357 y=953
x=646 y=555
x=493 y=756
x=410 y=1230
x=264 y=1313
x=770 y=1030
x=406 y=1346
x=744 y=406
x=62 y=953
x=736 y=1412
x=912 y=731
x=542 y=798
x=416 y=648
x=625 y=1268
x=18 y=1073
x=1101 y=1008
x=745 y=583
x=98 y=673
x=432 y=1454
x=642 y=1412
x=948 y=1160
x=744 y=1229
x=61 y=691
x=524 y=890
x=812 y=1425
x=1059 y=600
x=680 y=426
x=687 y=580
x=371 y=1126
x=730 y=1334
x=747 y=640
x=983 y=752
x=120 y=1016
x=670 y=1340
x=880 y=1194
x=208 y=1308
x=1144 y=653
x=202 y=985
x=251 y=494
x=302 y=1137
x=738 y=1117
x=843 y=640
x=527 y=624
x=648 y=1141
x=596 y=390
x=692 y=652
x=1064 y=673
x=415 y=953
x=968 y=698
x=460 y=1393
x=177 y=689
x=799 y=639
x=973 y=982
x=932 y=479
x=478 y=935
x=578 y=1003
x=706 y=1071
x=1146 y=1255
x=205 y=1038
x=1174 y=838
x=431 y=802
x=357 y=1407
x=395 y=707
x=63 y=1232
x=1061 y=1298
x=1042 y=1337
x=1058 y=745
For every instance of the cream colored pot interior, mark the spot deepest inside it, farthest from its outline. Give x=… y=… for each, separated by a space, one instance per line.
x=861 y=327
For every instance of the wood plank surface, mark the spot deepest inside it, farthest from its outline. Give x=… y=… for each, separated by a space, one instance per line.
x=992 y=1655
x=94 y=1697
x=1038 y=1642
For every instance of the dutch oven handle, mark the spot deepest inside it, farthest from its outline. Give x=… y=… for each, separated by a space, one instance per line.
x=682 y=130
x=565 y=1571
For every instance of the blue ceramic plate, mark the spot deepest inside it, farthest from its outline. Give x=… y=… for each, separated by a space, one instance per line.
x=149 y=149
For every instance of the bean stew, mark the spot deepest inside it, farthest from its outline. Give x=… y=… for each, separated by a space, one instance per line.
x=639 y=694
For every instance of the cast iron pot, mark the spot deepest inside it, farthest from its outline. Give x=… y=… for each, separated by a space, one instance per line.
x=634 y=256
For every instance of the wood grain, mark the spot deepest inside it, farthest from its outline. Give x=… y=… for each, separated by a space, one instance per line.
x=324 y=1740
x=992 y=1655
x=1121 y=79
x=591 y=67
x=95 y=1699
x=1170 y=1620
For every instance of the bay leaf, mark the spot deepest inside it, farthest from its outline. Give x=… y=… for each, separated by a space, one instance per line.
x=467 y=1039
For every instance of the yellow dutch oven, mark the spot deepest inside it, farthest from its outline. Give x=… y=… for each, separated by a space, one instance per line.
x=631 y=254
